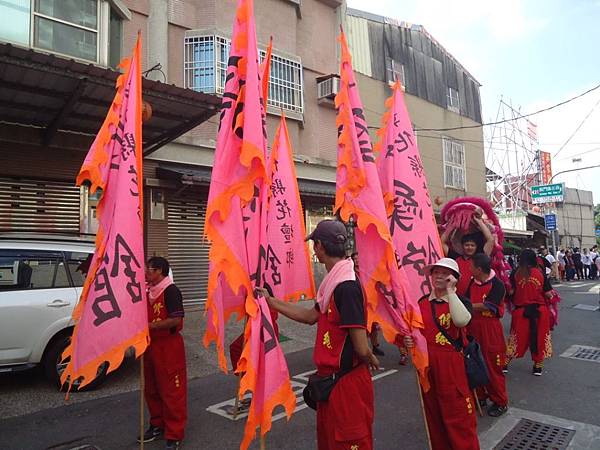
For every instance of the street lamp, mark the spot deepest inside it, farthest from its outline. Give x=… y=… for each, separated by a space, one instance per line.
x=572 y=170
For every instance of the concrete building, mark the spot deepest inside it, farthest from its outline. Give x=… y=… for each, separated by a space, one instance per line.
x=49 y=115
x=441 y=94
x=66 y=53
x=575 y=219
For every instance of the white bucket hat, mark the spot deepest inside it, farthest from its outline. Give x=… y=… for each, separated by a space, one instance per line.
x=447 y=263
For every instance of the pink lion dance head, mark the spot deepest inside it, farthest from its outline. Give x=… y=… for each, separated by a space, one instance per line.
x=457 y=216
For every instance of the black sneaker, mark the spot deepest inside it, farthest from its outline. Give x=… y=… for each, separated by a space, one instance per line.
x=496 y=410
x=505 y=369
x=537 y=371
x=151 y=434
x=483 y=402
x=377 y=351
x=172 y=445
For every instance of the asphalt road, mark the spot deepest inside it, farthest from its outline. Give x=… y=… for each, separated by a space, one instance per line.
x=569 y=389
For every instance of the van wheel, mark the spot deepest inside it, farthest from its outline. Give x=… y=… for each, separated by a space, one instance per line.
x=53 y=367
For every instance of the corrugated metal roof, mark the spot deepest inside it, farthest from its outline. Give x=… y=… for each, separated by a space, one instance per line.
x=47 y=91
x=358 y=41
x=351 y=12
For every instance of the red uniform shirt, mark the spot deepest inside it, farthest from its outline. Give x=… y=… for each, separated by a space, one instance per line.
x=168 y=305
x=435 y=339
x=491 y=294
x=333 y=346
x=464 y=266
x=528 y=290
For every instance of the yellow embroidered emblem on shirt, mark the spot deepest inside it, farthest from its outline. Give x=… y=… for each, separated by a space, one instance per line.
x=157 y=307
x=354 y=447
x=444 y=320
x=327 y=340
x=441 y=339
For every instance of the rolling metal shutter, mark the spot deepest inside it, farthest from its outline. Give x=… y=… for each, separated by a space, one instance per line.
x=39 y=206
x=188 y=250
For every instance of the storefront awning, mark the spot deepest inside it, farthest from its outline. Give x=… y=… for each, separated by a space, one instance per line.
x=52 y=95
x=200 y=176
x=516 y=234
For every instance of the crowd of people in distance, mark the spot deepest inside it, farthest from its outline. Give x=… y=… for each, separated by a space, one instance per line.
x=567 y=264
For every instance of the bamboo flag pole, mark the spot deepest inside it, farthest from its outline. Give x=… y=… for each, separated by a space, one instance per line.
x=477 y=402
x=263 y=442
x=142 y=387
x=236 y=406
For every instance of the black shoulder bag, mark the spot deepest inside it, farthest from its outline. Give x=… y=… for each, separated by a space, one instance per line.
x=477 y=372
x=319 y=387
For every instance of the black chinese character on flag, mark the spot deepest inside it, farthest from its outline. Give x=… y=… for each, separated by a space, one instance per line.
x=288 y=232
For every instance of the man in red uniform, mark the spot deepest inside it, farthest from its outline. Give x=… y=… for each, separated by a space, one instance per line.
x=164 y=361
x=486 y=293
x=471 y=244
x=449 y=406
x=530 y=325
x=345 y=419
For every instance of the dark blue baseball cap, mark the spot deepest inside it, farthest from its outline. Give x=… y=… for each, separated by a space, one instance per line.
x=328 y=230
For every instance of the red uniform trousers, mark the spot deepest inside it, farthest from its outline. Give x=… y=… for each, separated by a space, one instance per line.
x=166 y=384
x=519 y=338
x=488 y=332
x=345 y=421
x=449 y=407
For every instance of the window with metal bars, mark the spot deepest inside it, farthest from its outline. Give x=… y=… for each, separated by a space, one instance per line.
x=453 y=100
x=205 y=69
x=89 y=30
x=454 y=164
x=394 y=71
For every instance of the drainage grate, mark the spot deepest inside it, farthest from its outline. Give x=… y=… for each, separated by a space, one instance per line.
x=583 y=352
x=531 y=435
x=586 y=307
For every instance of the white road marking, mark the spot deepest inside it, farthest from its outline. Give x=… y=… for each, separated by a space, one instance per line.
x=594 y=289
x=298 y=383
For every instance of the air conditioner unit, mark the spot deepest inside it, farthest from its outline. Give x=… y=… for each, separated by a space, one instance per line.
x=327 y=88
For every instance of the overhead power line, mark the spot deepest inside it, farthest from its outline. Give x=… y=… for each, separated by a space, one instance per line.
x=520 y=116
x=578 y=128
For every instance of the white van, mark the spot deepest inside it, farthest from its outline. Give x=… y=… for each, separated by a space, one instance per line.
x=41 y=278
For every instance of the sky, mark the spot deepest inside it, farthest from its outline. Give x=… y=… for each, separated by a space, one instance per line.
x=532 y=54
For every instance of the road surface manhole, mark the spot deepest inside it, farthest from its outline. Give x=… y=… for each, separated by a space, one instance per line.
x=531 y=435
x=583 y=352
x=586 y=307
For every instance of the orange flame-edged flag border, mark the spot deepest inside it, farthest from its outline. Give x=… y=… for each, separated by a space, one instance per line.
x=357 y=181
x=284 y=395
x=388 y=197
x=274 y=158
x=91 y=174
x=253 y=159
x=266 y=73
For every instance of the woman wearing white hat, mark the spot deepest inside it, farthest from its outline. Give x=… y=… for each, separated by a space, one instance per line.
x=449 y=406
